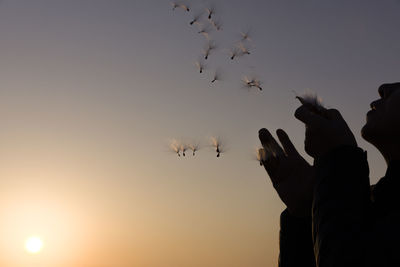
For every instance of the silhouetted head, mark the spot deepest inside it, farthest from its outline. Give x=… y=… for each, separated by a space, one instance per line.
x=382 y=128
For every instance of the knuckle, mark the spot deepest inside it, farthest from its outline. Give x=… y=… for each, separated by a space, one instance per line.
x=334 y=112
x=298 y=111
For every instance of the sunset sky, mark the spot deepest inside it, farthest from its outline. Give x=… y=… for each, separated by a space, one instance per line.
x=92 y=92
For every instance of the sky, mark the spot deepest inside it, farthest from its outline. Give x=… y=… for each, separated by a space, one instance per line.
x=92 y=92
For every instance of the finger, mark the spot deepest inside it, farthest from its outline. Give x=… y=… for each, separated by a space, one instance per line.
x=301 y=100
x=271 y=165
x=334 y=114
x=271 y=162
x=269 y=143
x=310 y=118
x=264 y=136
x=286 y=143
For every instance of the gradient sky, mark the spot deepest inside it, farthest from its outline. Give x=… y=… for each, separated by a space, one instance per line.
x=92 y=91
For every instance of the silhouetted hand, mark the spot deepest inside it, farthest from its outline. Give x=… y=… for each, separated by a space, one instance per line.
x=324 y=133
x=291 y=175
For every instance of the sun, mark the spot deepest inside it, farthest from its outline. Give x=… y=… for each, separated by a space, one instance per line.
x=33 y=244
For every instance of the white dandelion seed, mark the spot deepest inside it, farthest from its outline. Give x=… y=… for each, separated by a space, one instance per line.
x=211 y=46
x=174 y=5
x=312 y=102
x=174 y=146
x=183 y=148
x=234 y=53
x=216 y=143
x=243 y=49
x=216 y=24
x=196 y=19
x=216 y=76
x=205 y=31
x=245 y=35
x=248 y=83
x=184 y=7
x=210 y=12
x=194 y=147
x=200 y=66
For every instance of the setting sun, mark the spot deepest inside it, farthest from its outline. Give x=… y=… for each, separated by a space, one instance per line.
x=33 y=245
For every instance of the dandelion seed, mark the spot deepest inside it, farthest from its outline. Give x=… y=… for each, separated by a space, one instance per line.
x=205 y=31
x=216 y=76
x=194 y=147
x=174 y=5
x=200 y=66
x=247 y=83
x=208 y=49
x=206 y=54
x=210 y=12
x=261 y=155
x=216 y=24
x=312 y=102
x=245 y=36
x=251 y=82
x=257 y=83
x=184 y=7
x=183 y=149
x=243 y=49
x=175 y=147
x=196 y=19
x=234 y=52
x=216 y=143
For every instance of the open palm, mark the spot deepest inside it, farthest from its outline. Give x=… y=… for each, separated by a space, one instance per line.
x=291 y=175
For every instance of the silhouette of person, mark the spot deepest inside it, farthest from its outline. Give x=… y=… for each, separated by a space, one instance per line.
x=333 y=216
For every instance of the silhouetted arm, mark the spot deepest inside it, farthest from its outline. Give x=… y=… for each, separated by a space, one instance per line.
x=295 y=242
x=341 y=208
x=293 y=179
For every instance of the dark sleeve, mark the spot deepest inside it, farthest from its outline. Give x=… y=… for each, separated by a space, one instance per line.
x=341 y=208
x=295 y=242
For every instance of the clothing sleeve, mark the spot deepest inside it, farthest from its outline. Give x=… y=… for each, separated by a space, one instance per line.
x=341 y=208
x=295 y=242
